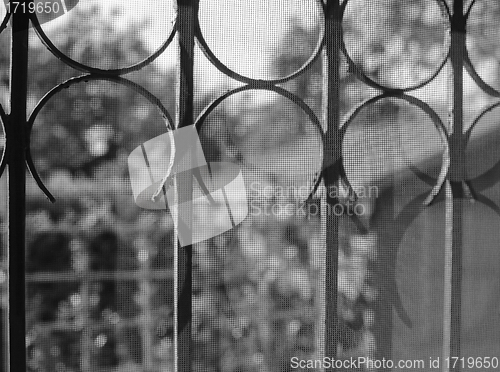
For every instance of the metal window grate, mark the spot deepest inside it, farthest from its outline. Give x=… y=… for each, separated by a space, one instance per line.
x=451 y=185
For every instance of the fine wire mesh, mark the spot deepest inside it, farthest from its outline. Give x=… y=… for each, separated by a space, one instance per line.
x=99 y=269
x=112 y=293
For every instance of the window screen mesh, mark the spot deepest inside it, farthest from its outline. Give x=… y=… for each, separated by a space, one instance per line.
x=368 y=132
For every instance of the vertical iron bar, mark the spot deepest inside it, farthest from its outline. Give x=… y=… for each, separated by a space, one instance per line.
x=187 y=13
x=15 y=148
x=457 y=173
x=333 y=35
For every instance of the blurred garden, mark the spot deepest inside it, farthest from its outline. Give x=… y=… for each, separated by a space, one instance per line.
x=100 y=269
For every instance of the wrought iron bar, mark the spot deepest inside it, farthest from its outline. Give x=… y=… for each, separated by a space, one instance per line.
x=457 y=175
x=333 y=40
x=187 y=13
x=15 y=153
